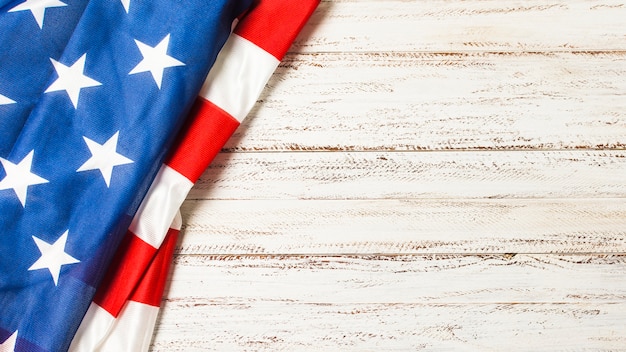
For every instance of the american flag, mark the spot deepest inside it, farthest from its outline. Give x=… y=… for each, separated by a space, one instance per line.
x=253 y=51
x=92 y=94
x=123 y=312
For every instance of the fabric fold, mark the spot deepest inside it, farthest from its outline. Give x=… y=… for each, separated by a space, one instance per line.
x=242 y=69
x=89 y=150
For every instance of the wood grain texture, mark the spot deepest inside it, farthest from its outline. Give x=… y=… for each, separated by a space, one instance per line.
x=419 y=175
x=440 y=101
x=287 y=326
x=413 y=279
x=512 y=302
x=482 y=302
x=404 y=226
x=406 y=175
x=476 y=25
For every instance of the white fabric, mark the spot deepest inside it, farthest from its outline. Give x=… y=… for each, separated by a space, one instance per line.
x=130 y=332
x=92 y=333
x=159 y=207
x=238 y=76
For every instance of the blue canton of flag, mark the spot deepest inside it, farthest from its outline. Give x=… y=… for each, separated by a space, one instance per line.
x=91 y=94
x=25 y=59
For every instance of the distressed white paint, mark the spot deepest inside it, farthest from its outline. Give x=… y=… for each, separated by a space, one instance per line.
x=405 y=175
x=440 y=101
x=414 y=279
x=396 y=302
x=404 y=226
x=477 y=25
x=401 y=161
x=273 y=325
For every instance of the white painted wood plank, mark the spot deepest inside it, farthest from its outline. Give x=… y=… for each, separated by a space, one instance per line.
x=413 y=279
x=205 y=324
x=376 y=175
x=482 y=302
x=425 y=101
x=404 y=226
x=439 y=25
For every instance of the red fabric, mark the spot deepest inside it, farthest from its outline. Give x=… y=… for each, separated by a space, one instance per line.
x=150 y=288
x=125 y=270
x=207 y=130
x=274 y=24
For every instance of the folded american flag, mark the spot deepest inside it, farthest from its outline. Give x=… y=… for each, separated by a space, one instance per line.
x=91 y=95
x=271 y=26
x=243 y=67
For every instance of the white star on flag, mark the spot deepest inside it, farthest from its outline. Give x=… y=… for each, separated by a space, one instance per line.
x=37 y=8
x=155 y=60
x=5 y=101
x=126 y=4
x=18 y=177
x=9 y=344
x=53 y=256
x=71 y=79
x=104 y=157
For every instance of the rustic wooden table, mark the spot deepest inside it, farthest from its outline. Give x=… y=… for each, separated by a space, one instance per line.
x=430 y=174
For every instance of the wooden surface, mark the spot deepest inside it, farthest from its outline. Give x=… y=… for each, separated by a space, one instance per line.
x=419 y=175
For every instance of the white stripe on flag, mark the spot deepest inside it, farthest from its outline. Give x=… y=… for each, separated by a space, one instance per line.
x=158 y=208
x=131 y=331
x=238 y=76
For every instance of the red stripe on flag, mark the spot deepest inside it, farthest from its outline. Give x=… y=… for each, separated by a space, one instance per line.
x=205 y=133
x=274 y=24
x=150 y=289
x=127 y=267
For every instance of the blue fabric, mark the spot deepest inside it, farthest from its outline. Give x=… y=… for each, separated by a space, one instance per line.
x=24 y=60
x=48 y=127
